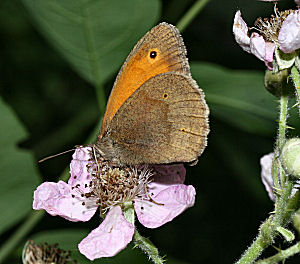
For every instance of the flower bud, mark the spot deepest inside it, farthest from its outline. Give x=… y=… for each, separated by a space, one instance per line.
x=277 y=83
x=290 y=156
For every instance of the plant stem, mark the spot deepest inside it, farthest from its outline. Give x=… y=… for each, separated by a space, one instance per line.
x=267 y=231
x=252 y=253
x=190 y=14
x=277 y=168
x=293 y=204
x=128 y=212
x=281 y=206
x=282 y=121
x=149 y=249
x=18 y=235
x=281 y=255
x=281 y=137
x=296 y=81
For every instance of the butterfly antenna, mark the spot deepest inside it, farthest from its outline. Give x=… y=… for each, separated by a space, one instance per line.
x=53 y=156
x=95 y=157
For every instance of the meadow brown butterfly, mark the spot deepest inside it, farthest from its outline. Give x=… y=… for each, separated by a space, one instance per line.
x=156 y=113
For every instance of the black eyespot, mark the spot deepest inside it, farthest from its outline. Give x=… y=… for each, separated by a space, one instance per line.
x=153 y=54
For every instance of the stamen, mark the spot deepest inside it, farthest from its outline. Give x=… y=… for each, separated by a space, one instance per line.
x=150 y=199
x=95 y=158
x=111 y=185
x=270 y=27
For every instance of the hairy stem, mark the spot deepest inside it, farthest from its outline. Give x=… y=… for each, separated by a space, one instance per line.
x=296 y=81
x=267 y=231
x=148 y=248
x=281 y=137
x=281 y=255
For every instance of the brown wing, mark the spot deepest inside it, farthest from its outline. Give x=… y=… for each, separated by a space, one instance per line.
x=164 y=121
x=169 y=55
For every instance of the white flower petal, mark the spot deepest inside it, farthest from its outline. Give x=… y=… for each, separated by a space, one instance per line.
x=240 y=31
x=269 y=56
x=289 y=34
x=170 y=201
x=258 y=46
x=60 y=199
x=113 y=235
x=266 y=174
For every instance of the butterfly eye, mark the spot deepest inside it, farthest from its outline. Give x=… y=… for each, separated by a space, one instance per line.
x=153 y=54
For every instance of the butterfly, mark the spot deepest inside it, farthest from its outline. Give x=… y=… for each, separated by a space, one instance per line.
x=156 y=113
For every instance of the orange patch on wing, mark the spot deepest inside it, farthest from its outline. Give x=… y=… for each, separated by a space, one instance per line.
x=138 y=70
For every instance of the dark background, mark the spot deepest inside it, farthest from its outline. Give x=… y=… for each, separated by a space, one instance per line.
x=59 y=109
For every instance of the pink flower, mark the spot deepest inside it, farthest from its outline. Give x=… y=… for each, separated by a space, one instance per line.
x=281 y=30
x=157 y=199
x=254 y=44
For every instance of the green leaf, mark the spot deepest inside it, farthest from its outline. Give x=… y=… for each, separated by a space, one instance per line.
x=68 y=239
x=94 y=36
x=237 y=97
x=287 y=234
x=19 y=175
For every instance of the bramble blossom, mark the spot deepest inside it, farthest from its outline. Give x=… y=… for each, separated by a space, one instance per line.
x=157 y=194
x=270 y=37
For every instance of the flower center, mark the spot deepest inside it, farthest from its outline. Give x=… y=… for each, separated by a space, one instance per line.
x=270 y=27
x=112 y=185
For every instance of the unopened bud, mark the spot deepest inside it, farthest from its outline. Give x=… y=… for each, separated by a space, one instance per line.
x=290 y=157
x=277 y=83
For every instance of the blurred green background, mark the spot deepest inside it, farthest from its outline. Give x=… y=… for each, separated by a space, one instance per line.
x=56 y=56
